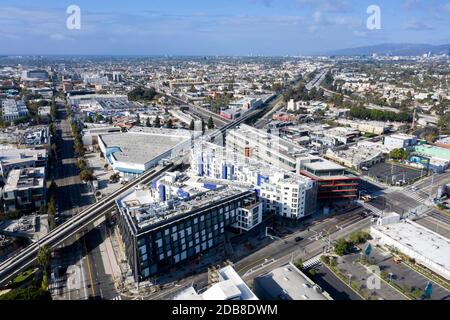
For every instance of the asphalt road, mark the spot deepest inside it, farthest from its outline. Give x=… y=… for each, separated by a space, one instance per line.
x=281 y=251
x=414 y=198
x=79 y=265
x=101 y=285
x=72 y=194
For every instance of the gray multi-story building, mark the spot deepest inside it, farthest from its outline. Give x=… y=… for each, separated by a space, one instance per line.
x=24 y=190
x=159 y=235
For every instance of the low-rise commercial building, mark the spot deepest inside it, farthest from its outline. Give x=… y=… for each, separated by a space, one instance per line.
x=230 y=286
x=132 y=153
x=288 y=283
x=400 y=141
x=341 y=135
x=356 y=157
x=426 y=247
x=372 y=127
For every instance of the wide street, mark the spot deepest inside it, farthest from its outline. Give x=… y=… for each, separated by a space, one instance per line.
x=280 y=252
x=84 y=270
x=414 y=199
x=79 y=270
x=72 y=194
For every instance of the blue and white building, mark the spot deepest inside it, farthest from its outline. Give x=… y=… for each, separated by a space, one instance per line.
x=285 y=193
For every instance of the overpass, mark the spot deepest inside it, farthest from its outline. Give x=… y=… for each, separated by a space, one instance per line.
x=72 y=229
x=199 y=110
x=77 y=226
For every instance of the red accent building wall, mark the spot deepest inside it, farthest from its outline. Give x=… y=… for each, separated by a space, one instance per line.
x=336 y=187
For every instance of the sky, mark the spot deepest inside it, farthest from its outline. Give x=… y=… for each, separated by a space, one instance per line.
x=216 y=27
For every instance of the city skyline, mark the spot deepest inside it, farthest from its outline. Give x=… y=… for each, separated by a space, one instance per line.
x=233 y=28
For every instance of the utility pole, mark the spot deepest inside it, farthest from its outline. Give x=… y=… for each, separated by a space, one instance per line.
x=431 y=187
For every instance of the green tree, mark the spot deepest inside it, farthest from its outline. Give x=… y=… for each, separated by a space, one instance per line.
x=203 y=125
x=86 y=175
x=44 y=284
x=51 y=213
x=342 y=247
x=399 y=154
x=444 y=123
x=31 y=293
x=210 y=123
x=147 y=122
x=359 y=237
x=140 y=93
x=299 y=263
x=138 y=120
x=43 y=257
x=169 y=124
x=312 y=272
x=157 y=122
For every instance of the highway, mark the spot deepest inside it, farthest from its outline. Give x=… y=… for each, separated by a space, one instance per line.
x=317 y=81
x=202 y=112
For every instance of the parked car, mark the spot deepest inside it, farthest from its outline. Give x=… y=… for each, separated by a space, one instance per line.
x=298 y=239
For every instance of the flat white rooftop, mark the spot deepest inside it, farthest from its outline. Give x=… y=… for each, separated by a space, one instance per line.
x=419 y=239
x=288 y=283
x=142 y=147
x=229 y=287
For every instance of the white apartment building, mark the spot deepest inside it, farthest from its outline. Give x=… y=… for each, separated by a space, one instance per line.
x=13 y=110
x=263 y=146
x=13 y=158
x=284 y=193
x=310 y=106
x=399 y=141
x=374 y=127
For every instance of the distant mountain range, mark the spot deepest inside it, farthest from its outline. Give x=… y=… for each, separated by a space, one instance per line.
x=394 y=49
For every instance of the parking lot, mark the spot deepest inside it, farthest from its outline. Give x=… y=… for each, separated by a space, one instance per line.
x=398 y=273
x=97 y=164
x=358 y=273
x=393 y=174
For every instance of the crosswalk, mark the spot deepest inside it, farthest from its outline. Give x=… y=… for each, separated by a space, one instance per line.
x=117 y=298
x=370 y=207
x=312 y=262
x=414 y=195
